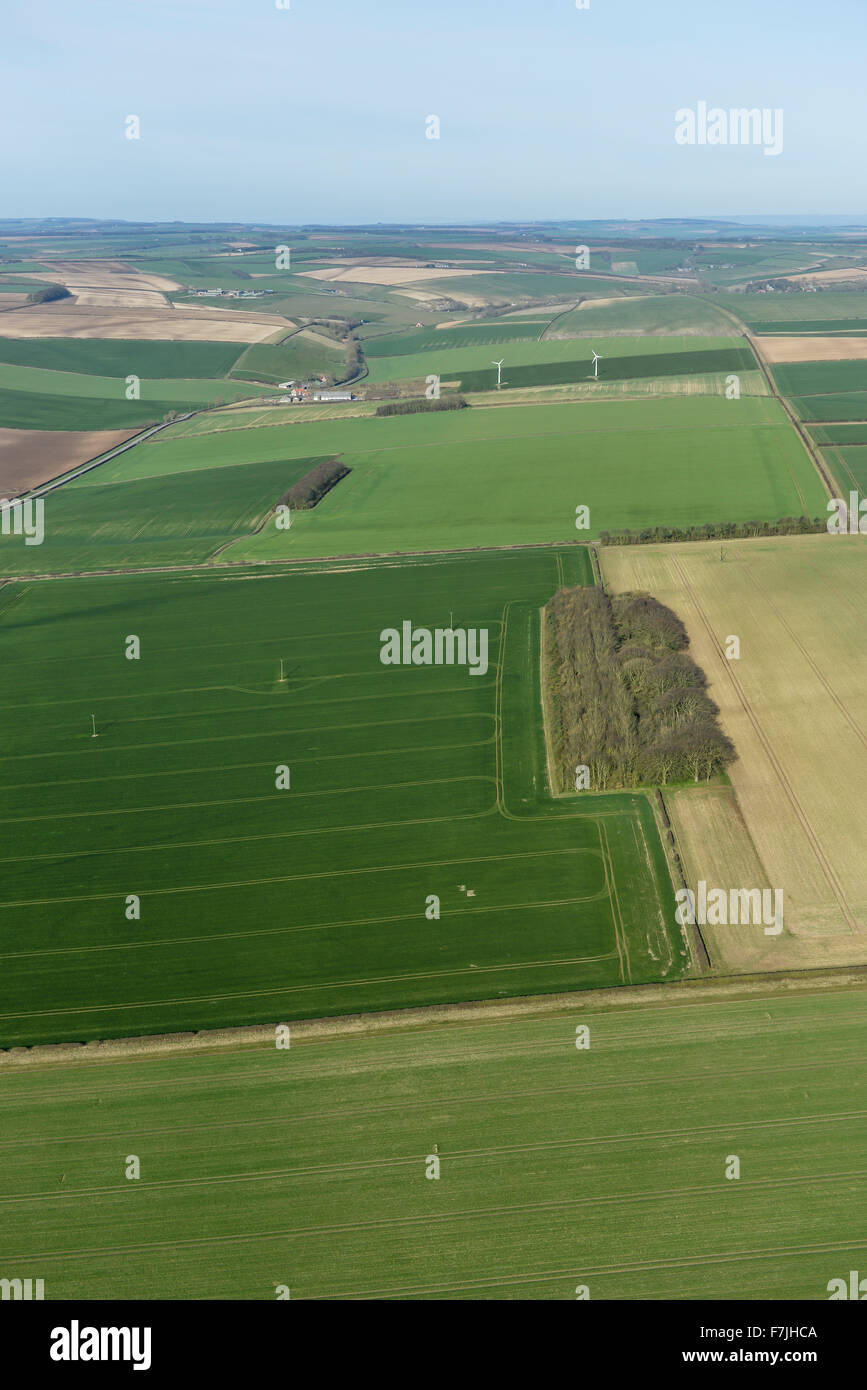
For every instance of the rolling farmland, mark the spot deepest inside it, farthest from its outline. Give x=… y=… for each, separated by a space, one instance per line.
x=466 y=478
x=660 y=314
x=428 y=482
x=220 y=809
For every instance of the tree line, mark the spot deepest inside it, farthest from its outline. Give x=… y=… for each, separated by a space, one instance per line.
x=719 y=530
x=311 y=489
x=627 y=701
x=47 y=294
x=415 y=407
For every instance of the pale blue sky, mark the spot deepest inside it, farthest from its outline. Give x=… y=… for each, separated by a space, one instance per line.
x=317 y=113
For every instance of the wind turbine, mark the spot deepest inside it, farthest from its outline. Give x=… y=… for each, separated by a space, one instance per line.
x=596 y=357
x=499 y=367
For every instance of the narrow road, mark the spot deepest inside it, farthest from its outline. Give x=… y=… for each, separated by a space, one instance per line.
x=104 y=458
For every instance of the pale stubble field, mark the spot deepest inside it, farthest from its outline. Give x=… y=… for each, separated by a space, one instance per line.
x=795 y=705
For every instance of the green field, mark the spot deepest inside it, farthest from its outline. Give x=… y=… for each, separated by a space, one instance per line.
x=679 y=313
x=819 y=378
x=848 y=405
x=728 y=265
x=838 y=327
x=239 y=417
x=839 y=434
x=175 y=519
x=114 y=357
x=559 y=1168
x=620 y=367
x=534 y=362
x=507 y=286
x=796 y=312
x=464 y=335
x=37 y=381
x=37 y=410
x=296 y=358
x=849 y=466
x=466 y=478
x=258 y=903
x=32 y=398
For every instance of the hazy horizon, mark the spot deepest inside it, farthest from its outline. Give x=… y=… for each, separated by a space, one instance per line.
x=317 y=114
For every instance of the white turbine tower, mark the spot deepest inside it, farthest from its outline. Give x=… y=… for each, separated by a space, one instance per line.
x=596 y=357
x=499 y=367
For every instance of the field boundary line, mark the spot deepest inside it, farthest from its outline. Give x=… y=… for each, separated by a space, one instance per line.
x=674 y=993
x=496 y=1046
x=695 y=943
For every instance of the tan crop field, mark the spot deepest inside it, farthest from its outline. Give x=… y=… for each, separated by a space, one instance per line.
x=30 y=457
x=824 y=277
x=809 y=349
x=795 y=705
x=119 y=299
x=102 y=274
x=64 y=319
x=390 y=274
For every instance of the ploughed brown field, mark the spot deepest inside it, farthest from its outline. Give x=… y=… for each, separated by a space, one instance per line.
x=30 y=457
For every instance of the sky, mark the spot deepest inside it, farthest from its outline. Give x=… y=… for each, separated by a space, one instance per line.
x=318 y=112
